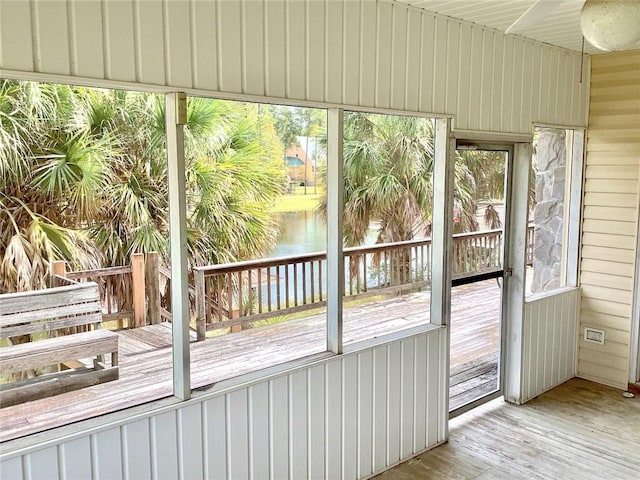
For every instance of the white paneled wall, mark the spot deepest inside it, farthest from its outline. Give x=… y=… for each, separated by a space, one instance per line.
x=549 y=341
x=346 y=417
x=360 y=53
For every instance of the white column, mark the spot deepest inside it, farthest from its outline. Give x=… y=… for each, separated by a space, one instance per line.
x=175 y=116
x=335 y=261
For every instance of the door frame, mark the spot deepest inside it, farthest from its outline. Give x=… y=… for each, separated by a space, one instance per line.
x=514 y=238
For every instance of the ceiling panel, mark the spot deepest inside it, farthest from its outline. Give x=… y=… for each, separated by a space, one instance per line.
x=560 y=27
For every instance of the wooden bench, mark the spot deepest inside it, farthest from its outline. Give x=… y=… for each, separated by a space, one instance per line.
x=40 y=315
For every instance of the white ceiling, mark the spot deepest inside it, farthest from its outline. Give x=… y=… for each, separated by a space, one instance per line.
x=560 y=27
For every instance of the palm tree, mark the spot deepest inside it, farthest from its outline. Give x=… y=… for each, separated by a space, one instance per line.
x=84 y=179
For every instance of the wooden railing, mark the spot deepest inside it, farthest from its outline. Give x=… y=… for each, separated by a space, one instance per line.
x=236 y=294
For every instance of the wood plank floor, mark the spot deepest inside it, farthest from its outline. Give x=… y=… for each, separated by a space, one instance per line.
x=579 y=430
x=145 y=354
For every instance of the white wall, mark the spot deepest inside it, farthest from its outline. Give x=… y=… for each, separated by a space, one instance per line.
x=364 y=53
x=346 y=417
x=549 y=341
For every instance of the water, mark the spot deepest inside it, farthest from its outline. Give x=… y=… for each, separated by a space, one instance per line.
x=301 y=232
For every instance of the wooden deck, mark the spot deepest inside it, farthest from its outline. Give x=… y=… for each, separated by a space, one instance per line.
x=145 y=355
x=579 y=430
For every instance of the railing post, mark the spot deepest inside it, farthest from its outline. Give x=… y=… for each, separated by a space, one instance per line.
x=201 y=305
x=153 y=285
x=58 y=267
x=137 y=280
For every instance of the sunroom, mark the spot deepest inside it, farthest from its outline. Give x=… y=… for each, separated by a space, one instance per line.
x=362 y=379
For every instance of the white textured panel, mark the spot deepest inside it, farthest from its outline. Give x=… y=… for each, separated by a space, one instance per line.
x=316 y=50
x=190 y=441
x=164 y=445
x=136 y=449
x=253 y=48
x=279 y=426
x=549 y=343
x=413 y=58
x=365 y=413
x=474 y=80
x=322 y=421
x=518 y=97
x=150 y=38
x=52 y=49
x=399 y=57
x=118 y=31
x=86 y=38
x=229 y=31
x=368 y=49
x=317 y=412
x=487 y=76
x=296 y=71
x=215 y=437
x=275 y=48
x=440 y=59
x=351 y=51
x=380 y=390
x=107 y=454
x=16 y=47
x=334 y=53
x=383 y=58
x=463 y=91
x=41 y=464
x=205 y=45
x=427 y=60
x=298 y=424
x=75 y=459
x=453 y=68
x=349 y=420
x=11 y=469
x=237 y=434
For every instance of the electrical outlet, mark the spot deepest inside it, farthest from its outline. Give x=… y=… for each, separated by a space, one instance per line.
x=594 y=336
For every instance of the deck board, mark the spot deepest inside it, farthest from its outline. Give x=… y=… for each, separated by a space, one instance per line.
x=146 y=356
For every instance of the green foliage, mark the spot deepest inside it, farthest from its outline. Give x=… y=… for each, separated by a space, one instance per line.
x=83 y=178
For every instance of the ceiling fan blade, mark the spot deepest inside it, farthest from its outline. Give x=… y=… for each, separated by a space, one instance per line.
x=536 y=12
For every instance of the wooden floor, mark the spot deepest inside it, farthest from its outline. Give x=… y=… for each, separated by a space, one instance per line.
x=145 y=355
x=579 y=430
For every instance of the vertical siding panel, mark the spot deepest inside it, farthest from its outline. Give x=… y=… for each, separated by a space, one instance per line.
x=316 y=397
x=205 y=45
x=259 y=439
x=368 y=38
x=11 y=469
x=237 y=434
x=120 y=45
x=380 y=389
x=275 y=51
x=427 y=59
x=150 y=38
x=487 y=75
x=529 y=85
x=383 y=55
x=334 y=74
x=507 y=85
x=413 y=61
x=398 y=56
x=16 y=44
x=549 y=343
x=440 y=64
x=564 y=100
x=351 y=52
x=420 y=394
x=539 y=69
x=164 y=445
x=350 y=415
x=88 y=60
x=517 y=99
x=496 y=81
x=229 y=30
x=296 y=74
x=41 y=464
x=298 y=425
x=253 y=55
x=279 y=427
x=190 y=441
x=316 y=61
x=53 y=47
x=136 y=449
x=475 y=78
x=394 y=402
x=333 y=418
x=463 y=89
x=452 y=67
x=526 y=351
x=365 y=413
x=215 y=437
x=433 y=391
x=75 y=459
x=549 y=87
x=107 y=454
x=407 y=407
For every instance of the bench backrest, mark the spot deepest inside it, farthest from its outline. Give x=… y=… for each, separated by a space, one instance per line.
x=49 y=310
